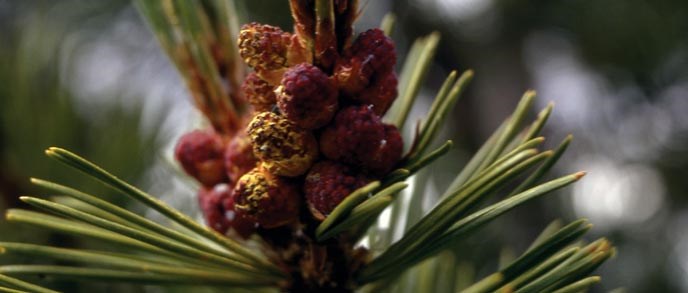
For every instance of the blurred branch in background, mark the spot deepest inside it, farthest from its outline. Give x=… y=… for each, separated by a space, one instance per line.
x=46 y=53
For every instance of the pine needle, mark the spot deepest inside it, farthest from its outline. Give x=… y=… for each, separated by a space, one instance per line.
x=111 y=275
x=21 y=286
x=110 y=180
x=412 y=76
x=131 y=263
x=132 y=220
x=149 y=238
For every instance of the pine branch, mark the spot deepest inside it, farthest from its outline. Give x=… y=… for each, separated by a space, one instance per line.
x=133 y=263
x=389 y=264
x=533 y=256
x=110 y=180
x=300 y=253
x=164 y=243
x=130 y=219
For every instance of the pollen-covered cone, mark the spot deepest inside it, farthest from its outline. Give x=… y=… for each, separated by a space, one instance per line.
x=269 y=200
x=269 y=50
x=259 y=93
x=241 y=225
x=284 y=148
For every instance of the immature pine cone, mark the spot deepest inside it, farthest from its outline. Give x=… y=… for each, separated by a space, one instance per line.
x=388 y=153
x=381 y=93
x=210 y=200
x=267 y=199
x=378 y=48
x=371 y=55
x=359 y=137
x=307 y=96
x=269 y=50
x=355 y=129
x=327 y=184
x=239 y=158
x=200 y=155
x=284 y=148
x=259 y=93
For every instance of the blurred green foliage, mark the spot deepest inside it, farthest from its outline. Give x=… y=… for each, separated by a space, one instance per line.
x=37 y=110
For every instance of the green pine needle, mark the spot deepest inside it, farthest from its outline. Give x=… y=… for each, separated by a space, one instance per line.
x=136 y=264
x=416 y=165
x=532 y=257
x=112 y=275
x=444 y=102
x=535 y=128
x=552 y=227
x=10 y=290
x=19 y=285
x=512 y=128
x=580 y=286
x=132 y=220
x=387 y=24
x=398 y=262
x=440 y=218
x=474 y=163
x=415 y=68
x=562 y=269
x=370 y=208
x=545 y=167
x=155 y=240
x=110 y=180
x=346 y=206
x=79 y=229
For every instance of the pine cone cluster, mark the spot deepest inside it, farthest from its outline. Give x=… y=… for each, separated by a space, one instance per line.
x=314 y=136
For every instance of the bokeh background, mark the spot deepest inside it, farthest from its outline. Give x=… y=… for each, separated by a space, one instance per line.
x=90 y=77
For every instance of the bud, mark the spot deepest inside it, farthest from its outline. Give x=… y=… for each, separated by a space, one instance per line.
x=269 y=50
x=269 y=200
x=355 y=130
x=371 y=54
x=327 y=184
x=383 y=159
x=243 y=226
x=284 y=148
x=259 y=93
x=210 y=200
x=358 y=137
x=307 y=96
x=380 y=94
x=200 y=154
x=239 y=158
